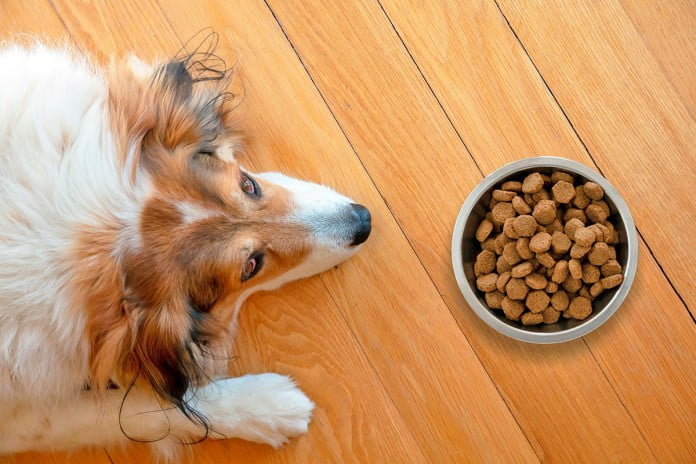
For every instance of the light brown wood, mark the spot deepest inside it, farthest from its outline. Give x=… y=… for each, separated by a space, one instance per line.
x=668 y=30
x=400 y=368
x=628 y=114
x=329 y=45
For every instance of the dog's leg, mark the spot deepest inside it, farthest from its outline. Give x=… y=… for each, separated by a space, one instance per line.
x=265 y=408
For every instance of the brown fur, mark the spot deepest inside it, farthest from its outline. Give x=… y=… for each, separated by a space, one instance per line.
x=161 y=311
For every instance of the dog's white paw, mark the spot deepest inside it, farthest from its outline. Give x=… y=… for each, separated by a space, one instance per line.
x=265 y=408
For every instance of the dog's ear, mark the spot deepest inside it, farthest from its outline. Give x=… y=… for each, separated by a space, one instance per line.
x=177 y=78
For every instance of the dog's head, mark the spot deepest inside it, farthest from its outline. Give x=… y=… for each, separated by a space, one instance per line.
x=206 y=233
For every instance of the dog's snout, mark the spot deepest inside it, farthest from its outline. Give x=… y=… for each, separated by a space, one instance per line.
x=363 y=225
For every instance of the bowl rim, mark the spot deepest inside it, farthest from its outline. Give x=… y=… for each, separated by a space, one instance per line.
x=482 y=311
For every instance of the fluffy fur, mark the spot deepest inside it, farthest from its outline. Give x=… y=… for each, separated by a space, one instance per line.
x=129 y=239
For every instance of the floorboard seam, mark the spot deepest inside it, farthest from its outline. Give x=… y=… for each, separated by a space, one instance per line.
x=507 y=406
x=587 y=151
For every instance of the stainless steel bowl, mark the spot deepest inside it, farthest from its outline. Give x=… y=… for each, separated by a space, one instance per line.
x=465 y=248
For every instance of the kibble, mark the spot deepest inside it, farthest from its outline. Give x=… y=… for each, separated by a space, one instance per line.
x=523 y=250
x=540 y=242
x=563 y=192
x=593 y=191
x=530 y=318
x=524 y=269
x=525 y=225
x=486 y=283
x=547 y=248
x=536 y=281
x=544 y=211
x=532 y=183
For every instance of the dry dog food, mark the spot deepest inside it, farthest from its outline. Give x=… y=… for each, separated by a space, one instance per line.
x=547 y=248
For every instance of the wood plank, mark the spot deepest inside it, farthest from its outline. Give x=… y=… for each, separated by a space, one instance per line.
x=669 y=30
x=482 y=78
x=399 y=319
x=628 y=114
x=354 y=417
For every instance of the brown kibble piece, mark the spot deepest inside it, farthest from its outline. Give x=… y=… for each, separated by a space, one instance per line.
x=612 y=252
x=579 y=308
x=512 y=309
x=584 y=236
x=508 y=229
x=575 y=268
x=599 y=254
x=522 y=270
x=571 y=285
x=484 y=230
x=512 y=186
x=590 y=273
x=529 y=200
x=596 y=289
x=563 y=192
x=542 y=194
x=492 y=203
x=500 y=241
x=516 y=289
x=611 y=268
x=572 y=226
x=502 y=265
x=551 y=287
x=532 y=183
x=521 y=206
x=577 y=251
x=488 y=244
x=523 y=248
x=503 y=195
x=502 y=211
x=557 y=176
x=544 y=212
x=485 y=263
x=546 y=260
x=611 y=281
x=596 y=213
x=540 y=243
x=494 y=299
x=502 y=281
x=560 y=301
x=486 y=283
x=593 y=191
x=537 y=301
x=560 y=272
x=581 y=199
x=550 y=315
x=510 y=253
x=532 y=318
x=555 y=226
x=536 y=281
x=585 y=292
x=560 y=243
x=574 y=213
x=524 y=225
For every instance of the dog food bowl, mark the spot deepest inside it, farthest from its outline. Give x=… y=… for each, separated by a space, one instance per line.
x=465 y=248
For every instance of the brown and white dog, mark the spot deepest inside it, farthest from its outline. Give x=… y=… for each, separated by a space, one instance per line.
x=129 y=238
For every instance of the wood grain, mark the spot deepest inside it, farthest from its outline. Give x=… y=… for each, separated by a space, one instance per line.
x=403 y=326
x=331 y=442
x=423 y=151
x=409 y=131
x=628 y=114
x=668 y=30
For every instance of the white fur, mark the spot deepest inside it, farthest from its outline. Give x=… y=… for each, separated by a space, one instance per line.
x=59 y=170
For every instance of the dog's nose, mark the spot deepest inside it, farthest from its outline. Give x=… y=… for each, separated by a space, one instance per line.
x=363 y=225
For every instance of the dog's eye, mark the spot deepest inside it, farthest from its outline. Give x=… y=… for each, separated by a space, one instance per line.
x=252 y=266
x=249 y=186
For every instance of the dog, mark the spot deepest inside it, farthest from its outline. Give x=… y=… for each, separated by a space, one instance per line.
x=130 y=236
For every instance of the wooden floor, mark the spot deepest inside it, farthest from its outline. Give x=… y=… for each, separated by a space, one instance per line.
x=405 y=106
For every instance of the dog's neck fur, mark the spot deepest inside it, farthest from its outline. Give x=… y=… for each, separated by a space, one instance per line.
x=45 y=124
